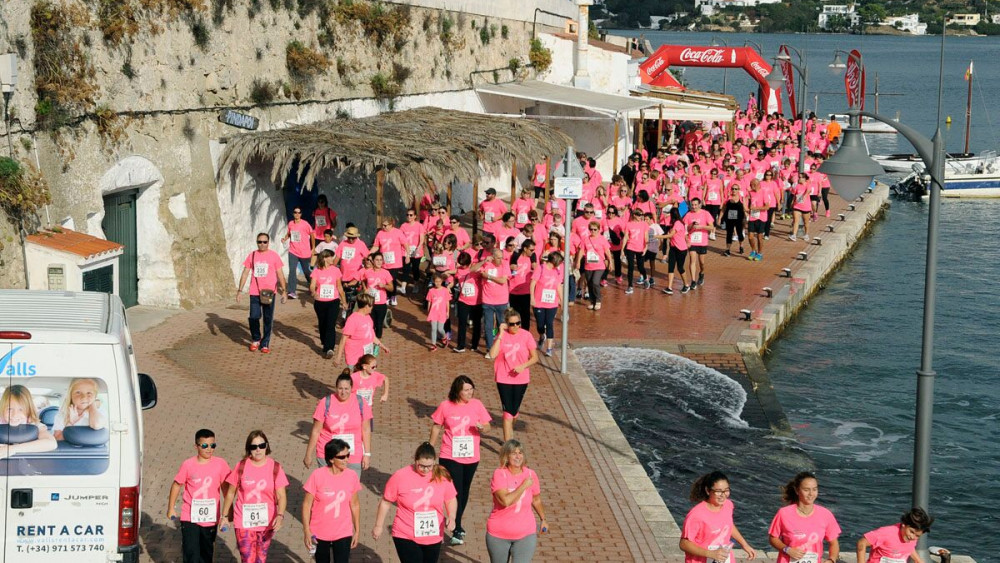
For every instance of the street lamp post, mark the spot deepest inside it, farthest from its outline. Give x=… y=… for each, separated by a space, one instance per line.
x=849 y=172
x=776 y=79
x=8 y=82
x=725 y=72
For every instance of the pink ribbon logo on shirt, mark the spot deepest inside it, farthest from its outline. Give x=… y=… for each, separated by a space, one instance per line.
x=338 y=428
x=425 y=500
x=511 y=353
x=257 y=494
x=463 y=425
x=203 y=490
x=335 y=504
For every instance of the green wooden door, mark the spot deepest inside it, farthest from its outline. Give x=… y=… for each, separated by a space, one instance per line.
x=119 y=226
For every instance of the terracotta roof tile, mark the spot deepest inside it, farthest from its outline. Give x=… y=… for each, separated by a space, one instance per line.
x=73 y=242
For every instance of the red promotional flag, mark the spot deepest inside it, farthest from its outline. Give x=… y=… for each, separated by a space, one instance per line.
x=854 y=81
x=789 y=72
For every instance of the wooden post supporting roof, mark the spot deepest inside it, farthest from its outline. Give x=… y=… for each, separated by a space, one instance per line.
x=449 y=198
x=379 y=184
x=659 y=131
x=513 y=182
x=614 y=166
x=548 y=174
x=641 y=142
x=475 y=205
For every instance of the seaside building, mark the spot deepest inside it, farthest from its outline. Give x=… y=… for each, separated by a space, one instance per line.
x=967 y=20
x=710 y=7
x=909 y=22
x=846 y=11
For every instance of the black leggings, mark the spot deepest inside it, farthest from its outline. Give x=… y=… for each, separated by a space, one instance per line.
x=397 y=274
x=511 y=395
x=634 y=257
x=414 y=268
x=825 y=192
x=770 y=220
x=713 y=210
x=461 y=476
x=340 y=549
x=734 y=227
x=544 y=319
x=410 y=551
x=378 y=318
x=676 y=258
x=466 y=312
x=522 y=304
x=617 y=256
x=327 y=315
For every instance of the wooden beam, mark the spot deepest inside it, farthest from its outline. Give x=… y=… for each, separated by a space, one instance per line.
x=449 y=198
x=379 y=184
x=548 y=175
x=615 y=166
x=641 y=141
x=659 y=131
x=513 y=182
x=475 y=205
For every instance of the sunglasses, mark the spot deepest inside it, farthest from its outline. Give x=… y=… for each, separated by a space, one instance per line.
x=514 y=323
x=206 y=446
x=296 y=213
x=261 y=446
x=594 y=230
x=262 y=242
x=342 y=456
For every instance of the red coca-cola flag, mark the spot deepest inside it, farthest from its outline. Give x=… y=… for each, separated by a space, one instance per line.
x=854 y=81
x=789 y=72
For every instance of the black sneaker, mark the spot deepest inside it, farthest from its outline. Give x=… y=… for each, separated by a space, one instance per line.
x=694 y=285
x=701 y=279
x=668 y=291
x=685 y=289
x=741 y=249
x=727 y=253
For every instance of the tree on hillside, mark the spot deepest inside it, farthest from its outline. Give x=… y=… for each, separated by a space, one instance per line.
x=872 y=13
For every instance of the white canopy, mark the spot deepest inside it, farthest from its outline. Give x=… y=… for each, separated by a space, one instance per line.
x=608 y=104
x=683 y=111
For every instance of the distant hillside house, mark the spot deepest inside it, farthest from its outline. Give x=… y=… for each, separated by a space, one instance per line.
x=968 y=20
x=845 y=11
x=709 y=7
x=909 y=22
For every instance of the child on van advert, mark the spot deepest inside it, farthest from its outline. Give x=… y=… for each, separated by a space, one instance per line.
x=17 y=408
x=80 y=408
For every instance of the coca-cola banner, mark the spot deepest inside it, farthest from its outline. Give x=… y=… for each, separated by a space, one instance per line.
x=854 y=81
x=789 y=71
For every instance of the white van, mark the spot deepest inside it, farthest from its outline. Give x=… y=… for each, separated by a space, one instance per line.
x=70 y=428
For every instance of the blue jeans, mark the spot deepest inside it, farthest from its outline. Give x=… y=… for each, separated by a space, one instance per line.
x=293 y=269
x=256 y=312
x=492 y=317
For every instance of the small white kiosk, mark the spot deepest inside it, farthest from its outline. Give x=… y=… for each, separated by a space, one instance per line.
x=68 y=260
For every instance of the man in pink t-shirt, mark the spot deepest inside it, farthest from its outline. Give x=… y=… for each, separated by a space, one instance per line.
x=700 y=224
x=264 y=267
x=200 y=478
x=491 y=211
x=757 y=219
x=896 y=543
x=494 y=273
x=416 y=240
x=300 y=249
x=351 y=253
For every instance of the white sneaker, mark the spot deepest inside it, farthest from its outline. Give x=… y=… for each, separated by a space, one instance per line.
x=711 y=236
x=792 y=238
x=806 y=238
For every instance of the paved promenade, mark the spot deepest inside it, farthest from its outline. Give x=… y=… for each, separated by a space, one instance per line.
x=600 y=504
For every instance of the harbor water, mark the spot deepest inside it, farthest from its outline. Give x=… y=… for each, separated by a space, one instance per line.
x=844 y=369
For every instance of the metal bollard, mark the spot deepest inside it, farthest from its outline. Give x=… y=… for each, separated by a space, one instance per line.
x=787 y=272
x=829 y=228
x=803 y=256
x=746 y=314
x=851 y=206
x=768 y=292
x=819 y=241
x=841 y=216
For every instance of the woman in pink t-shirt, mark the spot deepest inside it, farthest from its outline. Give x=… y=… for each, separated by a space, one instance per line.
x=463 y=419
x=514 y=351
x=546 y=296
x=708 y=527
x=594 y=258
x=896 y=543
x=200 y=478
x=367 y=381
x=378 y=282
x=426 y=502
x=438 y=310
x=342 y=415
x=391 y=243
x=522 y=266
x=358 y=335
x=331 y=511
x=799 y=528
x=510 y=529
x=801 y=206
x=257 y=496
x=470 y=303
x=677 y=237
x=326 y=288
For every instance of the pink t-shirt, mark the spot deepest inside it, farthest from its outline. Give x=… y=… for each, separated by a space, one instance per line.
x=300 y=243
x=757 y=199
x=352 y=255
x=359 y=330
x=459 y=420
x=323 y=219
x=330 y=519
x=393 y=245
x=414 y=494
x=517 y=520
x=326 y=283
x=375 y=283
x=365 y=386
x=469 y=287
x=547 y=280
x=679 y=239
x=263 y=268
x=520 y=210
x=201 y=481
x=636 y=231
x=412 y=232
x=493 y=210
x=887 y=543
x=520 y=276
x=342 y=420
x=438 y=304
x=515 y=349
x=257 y=487
x=594 y=251
x=495 y=293
x=804 y=532
x=461 y=236
x=713 y=191
x=708 y=529
x=801 y=197
x=704 y=218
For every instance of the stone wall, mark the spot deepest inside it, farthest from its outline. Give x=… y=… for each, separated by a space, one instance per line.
x=162 y=93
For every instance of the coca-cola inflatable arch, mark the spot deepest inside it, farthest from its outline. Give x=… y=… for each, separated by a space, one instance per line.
x=653 y=70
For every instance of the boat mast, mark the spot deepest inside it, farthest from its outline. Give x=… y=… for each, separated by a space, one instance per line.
x=876 y=92
x=968 y=110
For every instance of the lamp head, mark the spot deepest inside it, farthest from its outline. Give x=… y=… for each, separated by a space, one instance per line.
x=850 y=169
x=775 y=79
x=8 y=72
x=837 y=61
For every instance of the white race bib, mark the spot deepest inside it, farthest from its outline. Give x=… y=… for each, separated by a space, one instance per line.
x=348 y=253
x=349 y=438
x=327 y=291
x=755 y=214
x=425 y=524
x=366 y=394
x=321 y=220
x=411 y=251
x=462 y=447
x=369 y=348
x=893 y=560
x=598 y=213
x=469 y=289
x=522 y=217
x=713 y=196
x=296 y=236
x=255 y=515
x=440 y=261
x=697 y=237
x=492 y=272
x=260 y=270
x=488 y=216
x=204 y=511
x=800 y=198
x=592 y=257
x=733 y=215
x=548 y=296
x=811 y=557
x=374 y=292
x=390 y=257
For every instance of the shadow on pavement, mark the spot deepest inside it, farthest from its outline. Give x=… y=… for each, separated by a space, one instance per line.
x=162 y=542
x=235 y=331
x=307 y=385
x=421 y=409
x=374 y=480
x=291 y=332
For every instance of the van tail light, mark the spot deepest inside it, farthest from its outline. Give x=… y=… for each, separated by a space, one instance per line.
x=14 y=335
x=128 y=516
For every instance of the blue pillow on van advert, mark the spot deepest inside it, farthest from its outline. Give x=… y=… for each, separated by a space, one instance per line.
x=85 y=436
x=18 y=434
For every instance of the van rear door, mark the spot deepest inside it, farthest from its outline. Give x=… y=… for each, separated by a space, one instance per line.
x=5 y=349
x=62 y=474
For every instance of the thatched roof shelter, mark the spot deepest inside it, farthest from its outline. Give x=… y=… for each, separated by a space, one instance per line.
x=412 y=147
